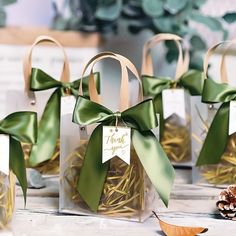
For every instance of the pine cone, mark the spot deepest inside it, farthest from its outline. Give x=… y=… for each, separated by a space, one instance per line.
x=227 y=203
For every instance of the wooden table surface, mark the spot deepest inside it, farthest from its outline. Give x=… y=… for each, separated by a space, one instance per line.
x=190 y=205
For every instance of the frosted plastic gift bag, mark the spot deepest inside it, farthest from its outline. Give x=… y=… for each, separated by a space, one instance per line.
x=15 y=128
x=172 y=100
x=215 y=147
x=119 y=187
x=44 y=155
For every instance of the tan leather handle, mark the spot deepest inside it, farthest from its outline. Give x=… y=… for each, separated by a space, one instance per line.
x=223 y=70
x=124 y=88
x=209 y=53
x=147 y=64
x=27 y=62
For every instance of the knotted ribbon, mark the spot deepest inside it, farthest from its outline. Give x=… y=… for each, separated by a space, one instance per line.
x=49 y=125
x=192 y=81
x=21 y=127
x=217 y=136
x=141 y=119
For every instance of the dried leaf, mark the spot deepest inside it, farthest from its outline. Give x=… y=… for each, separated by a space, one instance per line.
x=175 y=230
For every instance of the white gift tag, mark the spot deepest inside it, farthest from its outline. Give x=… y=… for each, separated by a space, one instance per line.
x=173 y=101
x=232 y=117
x=67 y=105
x=156 y=130
x=116 y=142
x=4 y=153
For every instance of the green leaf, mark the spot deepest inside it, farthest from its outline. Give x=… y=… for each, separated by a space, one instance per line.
x=196 y=60
x=212 y=23
x=198 y=3
x=185 y=30
x=174 y=6
x=7 y=2
x=172 y=51
x=109 y=11
x=59 y=23
x=171 y=56
x=230 y=17
x=136 y=3
x=197 y=43
x=184 y=15
x=2 y=17
x=225 y=34
x=153 y=8
x=164 y=24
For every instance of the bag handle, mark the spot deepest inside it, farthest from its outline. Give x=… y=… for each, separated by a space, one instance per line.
x=27 y=63
x=147 y=64
x=223 y=69
x=210 y=52
x=124 y=87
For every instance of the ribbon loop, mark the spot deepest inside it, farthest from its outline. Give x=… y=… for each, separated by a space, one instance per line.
x=192 y=81
x=49 y=125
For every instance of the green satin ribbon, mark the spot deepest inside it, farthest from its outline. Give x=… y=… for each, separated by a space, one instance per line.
x=217 y=136
x=21 y=127
x=141 y=119
x=192 y=81
x=49 y=125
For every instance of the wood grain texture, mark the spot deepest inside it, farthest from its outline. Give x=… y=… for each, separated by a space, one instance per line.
x=190 y=205
x=26 y=36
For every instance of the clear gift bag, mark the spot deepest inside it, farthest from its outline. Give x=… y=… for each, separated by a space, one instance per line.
x=36 y=99
x=214 y=147
x=7 y=198
x=125 y=191
x=173 y=100
x=15 y=128
x=43 y=94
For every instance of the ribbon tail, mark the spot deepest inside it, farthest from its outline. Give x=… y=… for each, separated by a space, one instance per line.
x=17 y=164
x=159 y=109
x=48 y=131
x=93 y=172
x=155 y=162
x=216 y=139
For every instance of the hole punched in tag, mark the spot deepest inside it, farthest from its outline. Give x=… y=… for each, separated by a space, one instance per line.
x=32 y=98
x=82 y=128
x=83 y=132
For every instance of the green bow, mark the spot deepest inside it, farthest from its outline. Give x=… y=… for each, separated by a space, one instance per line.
x=141 y=119
x=21 y=127
x=217 y=136
x=49 y=125
x=192 y=81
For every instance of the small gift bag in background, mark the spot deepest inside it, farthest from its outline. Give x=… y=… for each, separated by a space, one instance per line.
x=44 y=156
x=15 y=128
x=172 y=100
x=113 y=173
x=216 y=163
